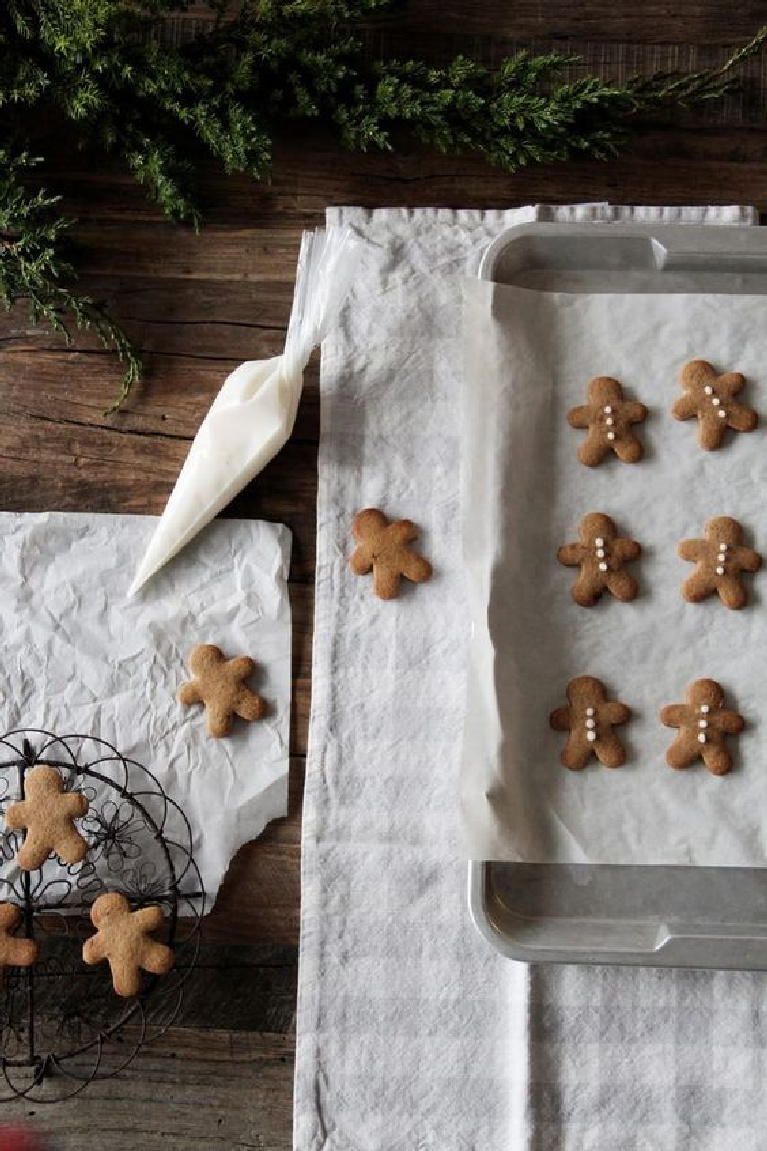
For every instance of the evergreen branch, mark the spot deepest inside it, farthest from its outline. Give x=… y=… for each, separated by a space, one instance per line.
x=103 y=67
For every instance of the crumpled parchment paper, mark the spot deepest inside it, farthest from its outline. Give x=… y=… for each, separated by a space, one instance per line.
x=530 y=356
x=79 y=657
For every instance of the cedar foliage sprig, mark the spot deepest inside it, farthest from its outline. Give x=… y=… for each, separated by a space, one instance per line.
x=105 y=68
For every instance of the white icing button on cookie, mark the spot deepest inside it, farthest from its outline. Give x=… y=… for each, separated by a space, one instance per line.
x=599 y=542
x=603 y=566
x=591 y=736
x=589 y=711
x=600 y=553
x=720 y=570
x=721 y=413
x=591 y=723
x=723 y=547
x=611 y=435
x=703 y=723
x=716 y=401
x=701 y=738
x=705 y=709
x=609 y=421
x=708 y=390
x=608 y=410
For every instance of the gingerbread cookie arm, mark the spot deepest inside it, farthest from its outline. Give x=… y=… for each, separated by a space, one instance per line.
x=634 y=412
x=189 y=693
x=615 y=712
x=741 y=418
x=730 y=383
x=361 y=561
x=561 y=719
x=240 y=667
x=685 y=407
x=691 y=550
x=730 y=722
x=403 y=532
x=579 y=417
x=571 y=555
x=747 y=559
x=674 y=715
x=94 y=950
x=625 y=550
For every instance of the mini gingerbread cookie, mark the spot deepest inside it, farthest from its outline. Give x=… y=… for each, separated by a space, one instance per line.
x=47 y=813
x=601 y=556
x=721 y=559
x=703 y=726
x=383 y=547
x=589 y=718
x=123 y=938
x=219 y=683
x=608 y=417
x=709 y=397
x=14 y=951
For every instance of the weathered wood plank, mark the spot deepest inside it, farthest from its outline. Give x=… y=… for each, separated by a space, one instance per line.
x=190 y=1090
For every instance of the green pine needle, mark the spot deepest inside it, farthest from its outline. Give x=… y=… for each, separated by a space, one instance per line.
x=104 y=68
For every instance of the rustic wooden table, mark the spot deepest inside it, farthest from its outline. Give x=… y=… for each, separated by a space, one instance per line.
x=199 y=304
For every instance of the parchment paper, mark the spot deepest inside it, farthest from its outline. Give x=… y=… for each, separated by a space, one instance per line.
x=78 y=657
x=529 y=358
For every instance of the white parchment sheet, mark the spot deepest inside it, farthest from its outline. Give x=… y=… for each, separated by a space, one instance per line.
x=79 y=657
x=529 y=358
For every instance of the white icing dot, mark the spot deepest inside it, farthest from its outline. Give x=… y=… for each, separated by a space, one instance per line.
x=603 y=566
x=591 y=724
x=705 y=708
x=609 y=421
x=716 y=401
x=708 y=390
x=721 y=413
x=611 y=435
x=591 y=736
x=589 y=711
x=703 y=723
x=723 y=547
x=608 y=410
x=701 y=738
x=600 y=553
x=720 y=570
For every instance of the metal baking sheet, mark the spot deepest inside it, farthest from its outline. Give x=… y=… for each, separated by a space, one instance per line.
x=646 y=915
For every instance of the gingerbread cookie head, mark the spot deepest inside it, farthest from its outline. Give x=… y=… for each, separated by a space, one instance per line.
x=15 y=951
x=47 y=814
x=219 y=684
x=382 y=548
x=601 y=556
x=123 y=938
x=710 y=398
x=609 y=419
x=704 y=724
x=721 y=559
x=589 y=718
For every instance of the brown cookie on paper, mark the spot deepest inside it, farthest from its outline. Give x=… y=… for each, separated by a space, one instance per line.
x=601 y=555
x=14 y=951
x=703 y=725
x=709 y=397
x=589 y=718
x=219 y=683
x=721 y=559
x=609 y=419
x=383 y=548
x=47 y=814
x=123 y=939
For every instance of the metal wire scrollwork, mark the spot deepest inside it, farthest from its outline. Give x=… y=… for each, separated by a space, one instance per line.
x=61 y=1024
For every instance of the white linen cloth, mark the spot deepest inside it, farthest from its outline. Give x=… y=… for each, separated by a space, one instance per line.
x=80 y=658
x=412 y=1034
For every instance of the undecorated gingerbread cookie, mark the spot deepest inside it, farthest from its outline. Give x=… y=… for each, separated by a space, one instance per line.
x=589 y=718
x=609 y=419
x=710 y=397
x=15 y=951
x=721 y=559
x=703 y=723
x=383 y=548
x=601 y=555
x=219 y=683
x=47 y=814
x=123 y=939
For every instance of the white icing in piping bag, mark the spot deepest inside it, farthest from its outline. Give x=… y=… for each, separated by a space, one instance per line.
x=253 y=415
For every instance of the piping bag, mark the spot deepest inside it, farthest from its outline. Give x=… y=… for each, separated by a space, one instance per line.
x=253 y=415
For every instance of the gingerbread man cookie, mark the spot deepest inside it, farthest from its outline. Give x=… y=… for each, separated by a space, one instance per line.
x=709 y=396
x=219 y=683
x=47 y=814
x=703 y=725
x=383 y=547
x=721 y=559
x=589 y=719
x=14 y=951
x=601 y=556
x=123 y=939
x=609 y=418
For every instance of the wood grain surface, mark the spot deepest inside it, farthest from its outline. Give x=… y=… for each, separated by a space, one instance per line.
x=199 y=304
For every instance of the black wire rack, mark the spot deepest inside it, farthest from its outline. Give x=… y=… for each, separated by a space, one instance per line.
x=61 y=1024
